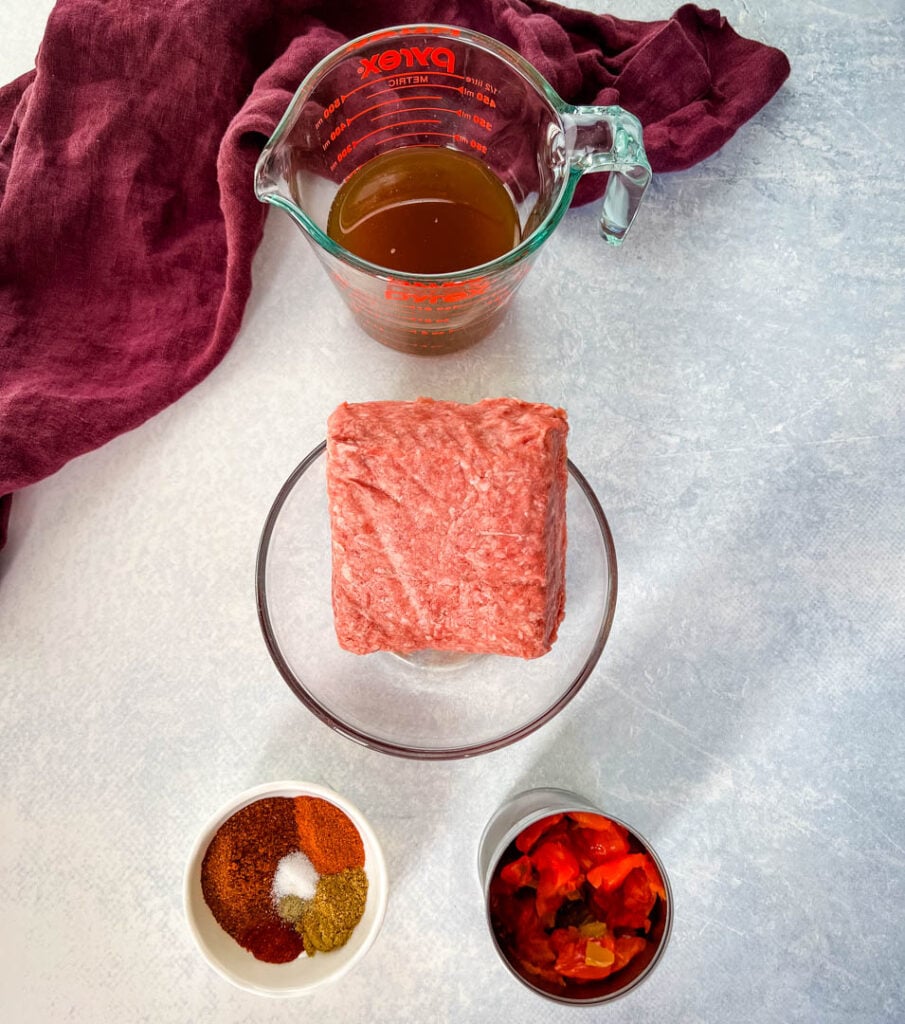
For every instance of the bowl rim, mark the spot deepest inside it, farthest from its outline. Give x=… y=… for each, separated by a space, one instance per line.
x=378 y=884
x=399 y=749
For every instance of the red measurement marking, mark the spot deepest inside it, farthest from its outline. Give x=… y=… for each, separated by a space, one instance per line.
x=419 y=135
x=384 y=103
x=407 y=110
x=452 y=88
x=399 y=124
x=424 y=319
x=416 y=293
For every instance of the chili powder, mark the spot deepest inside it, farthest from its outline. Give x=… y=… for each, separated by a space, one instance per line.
x=237 y=875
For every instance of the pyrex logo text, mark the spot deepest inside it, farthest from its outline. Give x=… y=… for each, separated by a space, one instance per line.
x=408 y=56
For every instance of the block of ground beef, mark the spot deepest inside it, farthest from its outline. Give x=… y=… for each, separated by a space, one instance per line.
x=448 y=525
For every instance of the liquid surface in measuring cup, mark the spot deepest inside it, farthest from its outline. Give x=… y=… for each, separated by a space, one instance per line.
x=424 y=210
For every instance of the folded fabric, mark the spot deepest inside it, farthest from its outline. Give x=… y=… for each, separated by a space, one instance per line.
x=127 y=216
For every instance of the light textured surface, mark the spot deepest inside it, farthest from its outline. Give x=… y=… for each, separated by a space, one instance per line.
x=734 y=380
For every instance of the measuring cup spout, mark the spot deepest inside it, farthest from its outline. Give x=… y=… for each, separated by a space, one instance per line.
x=273 y=181
x=610 y=139
x=267 y=180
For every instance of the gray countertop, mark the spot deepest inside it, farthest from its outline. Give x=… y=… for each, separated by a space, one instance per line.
x=734 y=378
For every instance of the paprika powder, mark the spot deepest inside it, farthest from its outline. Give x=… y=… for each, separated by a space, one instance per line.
x=327 y=836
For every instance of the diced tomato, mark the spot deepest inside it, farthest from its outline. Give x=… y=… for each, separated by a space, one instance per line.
x=594 y=845
x=549 y=974
x=513 y=913
x=559 y=875
x=634 y=900
x=653 y=877
x=517 y=921
x=612 y=873
x=564 y=938
x=626 y=948
x=584 y=819
x=529 y=836
x=626 y=920
x=602 y=903
x=637 y=893
x=580 y=958
x=500 y=890
x=585 y=859
x=519 y=873
x=547 y=903
x=556 y=860
x=534 y=946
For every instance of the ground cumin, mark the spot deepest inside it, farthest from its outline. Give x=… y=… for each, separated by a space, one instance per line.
x=337 y=907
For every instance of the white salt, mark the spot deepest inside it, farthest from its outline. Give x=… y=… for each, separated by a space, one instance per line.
x=295 y=876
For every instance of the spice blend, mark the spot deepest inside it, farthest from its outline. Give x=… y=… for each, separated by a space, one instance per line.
x=285 y=875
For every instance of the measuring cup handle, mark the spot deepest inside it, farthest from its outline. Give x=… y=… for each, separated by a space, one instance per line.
x=610 y=139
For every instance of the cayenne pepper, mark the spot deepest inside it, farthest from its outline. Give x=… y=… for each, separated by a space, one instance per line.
x=241 y=861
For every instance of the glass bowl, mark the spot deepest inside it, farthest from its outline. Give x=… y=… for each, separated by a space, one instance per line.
x=432 y=705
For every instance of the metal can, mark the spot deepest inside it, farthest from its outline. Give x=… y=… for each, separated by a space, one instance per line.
x=498 y=837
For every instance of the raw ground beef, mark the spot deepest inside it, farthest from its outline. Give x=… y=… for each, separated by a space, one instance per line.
x=448 y=525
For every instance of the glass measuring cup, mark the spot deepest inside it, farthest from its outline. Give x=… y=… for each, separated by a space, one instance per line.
x=438 y=85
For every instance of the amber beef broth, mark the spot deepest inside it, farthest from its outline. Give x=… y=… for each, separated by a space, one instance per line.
x=448 y=525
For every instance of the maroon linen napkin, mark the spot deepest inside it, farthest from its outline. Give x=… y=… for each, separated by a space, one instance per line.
x=128 y=220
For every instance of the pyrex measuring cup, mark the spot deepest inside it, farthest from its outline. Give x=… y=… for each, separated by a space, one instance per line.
x=437 y=85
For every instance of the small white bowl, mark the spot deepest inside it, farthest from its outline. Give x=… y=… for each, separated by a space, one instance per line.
x=304 y=974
